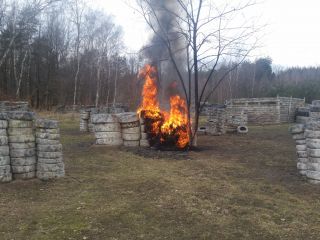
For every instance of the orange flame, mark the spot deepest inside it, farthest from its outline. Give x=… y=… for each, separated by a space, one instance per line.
x=150 y=103
x=172 y=123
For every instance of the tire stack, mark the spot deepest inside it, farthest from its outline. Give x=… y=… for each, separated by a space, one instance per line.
x=302 y=115
x=298 y=135
x=130 y=129
x=49 y=150
x=144 y=142
x=315 y=110
x=22 y=145
x=236 y=119
x=312 y=134
x=84 y=120
x=216 y=122
x=107 y=129
x=5 y=168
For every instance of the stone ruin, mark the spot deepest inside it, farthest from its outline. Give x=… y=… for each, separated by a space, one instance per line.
x=304 y=114
x=88 y=111
x=307 y=137
x=264 y=111
x=222 y=120
x=121 y=129
x=236 y=114
x=29 y=147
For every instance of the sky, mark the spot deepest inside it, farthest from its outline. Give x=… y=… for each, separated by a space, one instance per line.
x=291 y=37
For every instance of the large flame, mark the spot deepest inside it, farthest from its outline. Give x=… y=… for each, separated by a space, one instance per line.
x=172 y=124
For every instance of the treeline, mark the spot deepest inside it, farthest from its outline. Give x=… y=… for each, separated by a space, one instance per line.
x=63 y=53
x=261 y=79
x=56 y=52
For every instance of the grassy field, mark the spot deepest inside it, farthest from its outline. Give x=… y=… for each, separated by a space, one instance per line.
x=233 y=187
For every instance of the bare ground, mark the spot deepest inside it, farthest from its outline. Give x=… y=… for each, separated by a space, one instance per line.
x=232 y=187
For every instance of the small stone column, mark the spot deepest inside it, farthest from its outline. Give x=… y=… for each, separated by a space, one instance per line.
x=22 y=144
x=49 y=150
x=297 y=132
x=5 y=168
x=144 y=142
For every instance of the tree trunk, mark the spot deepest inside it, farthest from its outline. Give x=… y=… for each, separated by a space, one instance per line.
x=196 y=87
x=98 y=82
x=21 y=74
x=115 y=85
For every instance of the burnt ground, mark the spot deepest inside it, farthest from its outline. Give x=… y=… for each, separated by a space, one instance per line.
x=232 y=187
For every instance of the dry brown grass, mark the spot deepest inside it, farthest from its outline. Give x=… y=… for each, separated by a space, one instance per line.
x=234 y=187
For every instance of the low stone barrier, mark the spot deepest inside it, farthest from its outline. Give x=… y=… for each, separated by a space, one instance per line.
x=122 y=129
x=107 y=129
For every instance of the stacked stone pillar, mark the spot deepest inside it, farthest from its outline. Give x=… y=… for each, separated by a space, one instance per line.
x=84 y=120
x=302 y=115
x=298 y=135
x=144 y=142
x=107 y=129
x=130 y=128
x=315 y=111
x=216 y=122
x=22 y=145
x=5 y=168
x=312 y=134
x=49 y=150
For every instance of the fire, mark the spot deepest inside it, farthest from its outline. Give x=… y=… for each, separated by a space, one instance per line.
x=165 y=126
x=150 y=104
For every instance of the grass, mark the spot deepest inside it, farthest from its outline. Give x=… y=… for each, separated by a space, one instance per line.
x=233 y=187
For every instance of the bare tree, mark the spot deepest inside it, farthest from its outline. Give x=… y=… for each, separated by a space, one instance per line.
x=77 y=8
x=206 y=34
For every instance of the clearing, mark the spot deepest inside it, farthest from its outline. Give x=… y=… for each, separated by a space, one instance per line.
x=234 y=187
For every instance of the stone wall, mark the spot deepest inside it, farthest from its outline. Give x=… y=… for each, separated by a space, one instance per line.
x=224 y=120
x=121 y=129
x=307 y=137
x=87 y=112
x=29 y=147
x=263 y=111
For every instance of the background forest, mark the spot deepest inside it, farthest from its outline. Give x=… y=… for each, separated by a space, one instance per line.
x=55 y=53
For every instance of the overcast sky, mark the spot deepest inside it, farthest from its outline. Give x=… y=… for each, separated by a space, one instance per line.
x=292 y=37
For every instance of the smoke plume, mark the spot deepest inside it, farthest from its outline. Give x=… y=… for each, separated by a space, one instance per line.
x=165 y=23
